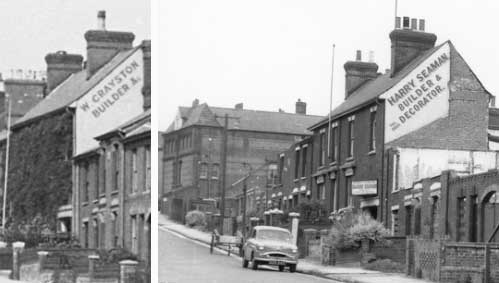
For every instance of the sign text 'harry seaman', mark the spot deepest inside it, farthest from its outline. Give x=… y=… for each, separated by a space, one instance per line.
x=115 y=87
x=420 y=98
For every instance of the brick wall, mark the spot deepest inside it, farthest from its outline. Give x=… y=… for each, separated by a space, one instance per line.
x=394 y=251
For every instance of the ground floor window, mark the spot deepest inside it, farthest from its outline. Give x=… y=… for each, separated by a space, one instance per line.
x=85 y=234
x=395 y=222
x=408 y=220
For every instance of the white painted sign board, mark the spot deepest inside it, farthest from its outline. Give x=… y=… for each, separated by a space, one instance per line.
x=111 y=103
x=360 y=188
x=420 y=98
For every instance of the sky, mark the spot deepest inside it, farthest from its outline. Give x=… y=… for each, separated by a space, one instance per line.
x=31 y=29
x=268 y=54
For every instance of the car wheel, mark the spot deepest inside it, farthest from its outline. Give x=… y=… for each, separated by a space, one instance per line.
x=281 y=268
x=245 y=262
x=254 y=263
x=292 y=268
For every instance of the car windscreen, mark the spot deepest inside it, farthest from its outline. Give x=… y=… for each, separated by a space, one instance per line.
x=274 y=235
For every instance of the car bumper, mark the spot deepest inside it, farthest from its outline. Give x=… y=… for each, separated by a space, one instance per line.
x=267 y=258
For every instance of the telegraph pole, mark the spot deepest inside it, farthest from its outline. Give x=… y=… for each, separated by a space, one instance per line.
x=245 y=192
x=224 y=170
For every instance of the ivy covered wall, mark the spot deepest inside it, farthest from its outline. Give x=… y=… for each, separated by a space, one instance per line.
x=40 y=168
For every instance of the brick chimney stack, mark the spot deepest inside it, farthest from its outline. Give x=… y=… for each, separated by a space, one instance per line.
x=408 y=42
x=59 y=66
x=103 y=45
x=358 y=72
x=301 y=107
x=146 y=89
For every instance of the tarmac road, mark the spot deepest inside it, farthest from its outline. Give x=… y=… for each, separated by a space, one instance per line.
x=182 y=260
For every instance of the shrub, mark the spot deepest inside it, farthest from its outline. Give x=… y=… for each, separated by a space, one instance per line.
x=350 y=229
x=195 y=218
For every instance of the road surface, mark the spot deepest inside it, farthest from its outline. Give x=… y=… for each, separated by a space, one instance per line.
x=182 y=260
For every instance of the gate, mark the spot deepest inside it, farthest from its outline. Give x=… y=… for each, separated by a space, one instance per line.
x=424 y=258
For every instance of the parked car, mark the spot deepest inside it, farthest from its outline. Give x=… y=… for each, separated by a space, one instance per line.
x=270 y=246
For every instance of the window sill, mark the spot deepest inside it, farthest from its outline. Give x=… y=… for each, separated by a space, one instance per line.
x=372 y=152
x=95 y=201
x=303 y=178
x=349 y=159
x=112 y=193
x=333 y=163
x=85 y=203
x=296 y=180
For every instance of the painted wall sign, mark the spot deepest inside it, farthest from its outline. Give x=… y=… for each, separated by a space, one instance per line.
x=420 y=98
x=360 y=188
x=111 y=103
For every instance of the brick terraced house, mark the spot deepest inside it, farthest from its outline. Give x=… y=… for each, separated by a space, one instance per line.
x=84 y=101
x=427 y=114
x=192 y=153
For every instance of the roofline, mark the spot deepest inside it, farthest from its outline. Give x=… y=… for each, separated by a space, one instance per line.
x=134 y=49
x=86 y=154
x=37 y=118
x=133 y=138
x=340 y=115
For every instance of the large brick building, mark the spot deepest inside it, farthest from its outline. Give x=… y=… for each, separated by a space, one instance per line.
x=193 y=152
x=428 y=113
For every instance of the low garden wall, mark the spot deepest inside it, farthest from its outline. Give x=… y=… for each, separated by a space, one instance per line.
x=394 y=250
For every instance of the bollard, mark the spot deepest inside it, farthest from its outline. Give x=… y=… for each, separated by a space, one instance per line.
x=42 y=257
x=295 y=221
x=17 y=249
x=128 y=269
x=92 y=260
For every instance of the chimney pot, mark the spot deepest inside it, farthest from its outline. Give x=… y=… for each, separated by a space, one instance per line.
x=358 y=72
x=239 y=106
x=421 y=25
x=195 y=103
x=406 y=22
x=414 y=24
x=371 y=56
x=358 y=56
x=101 y=20
x=397 y=22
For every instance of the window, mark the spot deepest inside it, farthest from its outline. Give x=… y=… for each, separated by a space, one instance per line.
x=461 y=219
x=297 y=163
x=351 y=136
x=115 y=228
x=272 y=174
x=372 y=132
x=135 y=171
x=417 y=218
x=179 y=172
x=304 y=162
x=84 y=179
x=334 y=142
x=116 y=168
x=281 y=167
x=215 y=171
x=322 y=147
x=434 y=216
x=408 y=220
x=348 y=191
x=102 y=162
x=321 y=192
x=147 y=166
x=134 y=234
x=334 y=191
x=96 y=232
x=97 y=177
x=85 y=234
x=395 y=222
x=395 y=173
x=203 y=171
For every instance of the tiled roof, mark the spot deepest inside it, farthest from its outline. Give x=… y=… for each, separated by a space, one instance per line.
x=135 y=126
x=73 y=88
x=249 y=120
x=372 y=89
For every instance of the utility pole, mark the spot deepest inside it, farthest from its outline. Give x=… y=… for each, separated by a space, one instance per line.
x=245 y=192
x=6 y=174
x=224 y=170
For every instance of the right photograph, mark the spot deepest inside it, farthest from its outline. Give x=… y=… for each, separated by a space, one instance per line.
x=321 y=142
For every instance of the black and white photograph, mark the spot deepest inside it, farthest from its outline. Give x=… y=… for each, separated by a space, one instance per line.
x=75 y=141
x=327 y=141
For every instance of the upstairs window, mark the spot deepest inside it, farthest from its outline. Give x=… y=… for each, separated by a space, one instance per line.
x=304 y=161
x=281 y=168
x=372 y=131
x=297 y=163
x=147 y=166
x=135 y=171
x=322 y=147
x=215 y=171
x=203 y=171
x=334 y=142
x=351 y=135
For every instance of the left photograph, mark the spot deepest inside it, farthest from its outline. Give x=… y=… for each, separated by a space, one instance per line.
x=75 y=142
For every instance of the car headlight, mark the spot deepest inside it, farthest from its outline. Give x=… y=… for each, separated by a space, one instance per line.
x=261 y=248
x=294 y=250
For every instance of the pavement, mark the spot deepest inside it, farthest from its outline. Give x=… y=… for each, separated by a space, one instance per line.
x=4 y=277
x=192 y=262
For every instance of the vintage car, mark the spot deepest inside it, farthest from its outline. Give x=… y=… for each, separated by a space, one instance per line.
x=270 y=246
